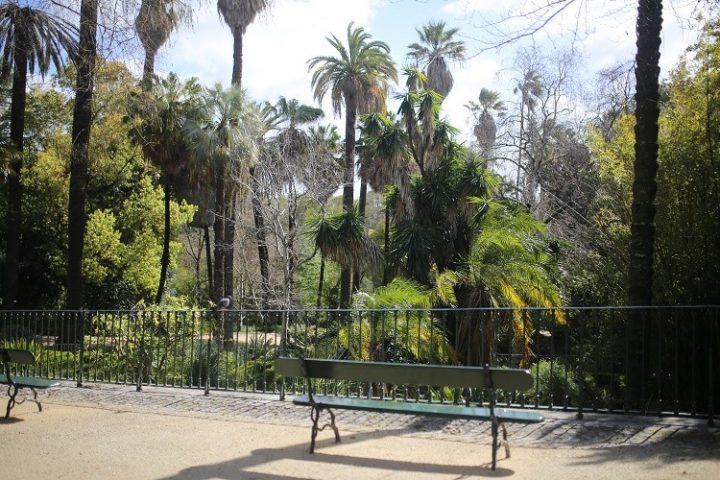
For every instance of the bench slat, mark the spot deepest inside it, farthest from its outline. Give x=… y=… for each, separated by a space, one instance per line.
x=426 y=409
x=30 y=382
x=406 y=374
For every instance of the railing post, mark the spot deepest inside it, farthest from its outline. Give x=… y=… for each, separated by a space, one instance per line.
x=711 y=363
x=81 y=362
x=141 y=354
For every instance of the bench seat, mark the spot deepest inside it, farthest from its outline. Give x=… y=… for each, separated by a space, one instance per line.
x=418 y=408
x=30 y=382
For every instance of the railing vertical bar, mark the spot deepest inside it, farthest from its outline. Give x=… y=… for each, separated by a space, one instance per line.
x=659 y=321
x=711 y=368
x=693 y=368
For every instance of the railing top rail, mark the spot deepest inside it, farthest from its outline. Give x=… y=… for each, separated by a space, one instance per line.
x=370 y=310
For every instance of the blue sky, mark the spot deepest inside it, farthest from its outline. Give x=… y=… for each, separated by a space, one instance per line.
x=278 y=45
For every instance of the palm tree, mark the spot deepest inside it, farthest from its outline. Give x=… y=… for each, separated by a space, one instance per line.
x=31 y=39
x=238 y=15
x=529 y=87
x=162 y=114
x=342 y=238
x=225 y=129
x=357 y=78
x=510 y=265
x=385 y=143
x=437 y=46
x=155 y=21
x=485 y=129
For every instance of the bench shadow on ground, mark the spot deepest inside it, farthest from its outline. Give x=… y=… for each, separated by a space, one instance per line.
x=240 y=468
x=4 y=420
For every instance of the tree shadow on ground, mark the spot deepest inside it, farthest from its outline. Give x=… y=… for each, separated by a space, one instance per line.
x=240 y=468
x=683 y=446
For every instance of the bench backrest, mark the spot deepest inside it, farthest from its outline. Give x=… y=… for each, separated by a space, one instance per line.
x=406 y=374
x=11 y=355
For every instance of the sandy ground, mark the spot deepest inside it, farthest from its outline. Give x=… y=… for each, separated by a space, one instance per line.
x=93 y=443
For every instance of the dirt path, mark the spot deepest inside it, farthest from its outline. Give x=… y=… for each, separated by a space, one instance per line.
x=65 y=442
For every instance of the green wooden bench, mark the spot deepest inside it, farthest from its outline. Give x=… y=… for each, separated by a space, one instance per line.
x=17 y=382
x=487 y=378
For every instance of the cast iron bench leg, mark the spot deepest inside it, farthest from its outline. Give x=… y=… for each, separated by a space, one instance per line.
x=12 y=393
x=315 y=417
x=35 y=399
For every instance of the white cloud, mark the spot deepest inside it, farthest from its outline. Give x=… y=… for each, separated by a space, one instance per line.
x=276 y=47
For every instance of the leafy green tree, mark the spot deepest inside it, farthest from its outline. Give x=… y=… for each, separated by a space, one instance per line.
x=32 y=39
x=438 y=46
x=357 y=77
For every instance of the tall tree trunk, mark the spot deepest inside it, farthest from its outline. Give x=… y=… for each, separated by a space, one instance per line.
x=82 y=120
x=165 y=259
x=362 y=200
x=236 y=79
x=260 y=238
x=292 y=230
x=348 y=185
x=642 y=230
x=321 y=281
x=209 y=260
x=647 y=111
x=13 y=218
x=219 y=230
x=230 y=217
x=148 y=68
x=231 y=205
x=386 y=246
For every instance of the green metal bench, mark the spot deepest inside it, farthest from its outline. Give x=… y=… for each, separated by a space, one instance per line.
x=17 y=382
x=408 y=374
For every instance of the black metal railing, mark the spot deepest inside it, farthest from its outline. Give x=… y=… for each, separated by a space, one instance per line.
x=660 y=360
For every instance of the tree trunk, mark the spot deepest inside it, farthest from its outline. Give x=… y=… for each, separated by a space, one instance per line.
x=321 y=280
x=148 y=68
x=362 y=200
x=260 y=238
x=642 y=230
x=13 y=218
x=386 y=246
x=219 y=230
x=647 y=111
x=348 y=185
x=165 y=259
x=209 y=260
x=230 y=214
x=82 y=120
x=292 y=230
x=236 y=79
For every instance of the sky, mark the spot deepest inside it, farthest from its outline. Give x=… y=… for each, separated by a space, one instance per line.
x=278 y=45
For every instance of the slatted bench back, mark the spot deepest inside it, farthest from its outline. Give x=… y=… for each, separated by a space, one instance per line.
x=10 y=355
x=406 y=374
